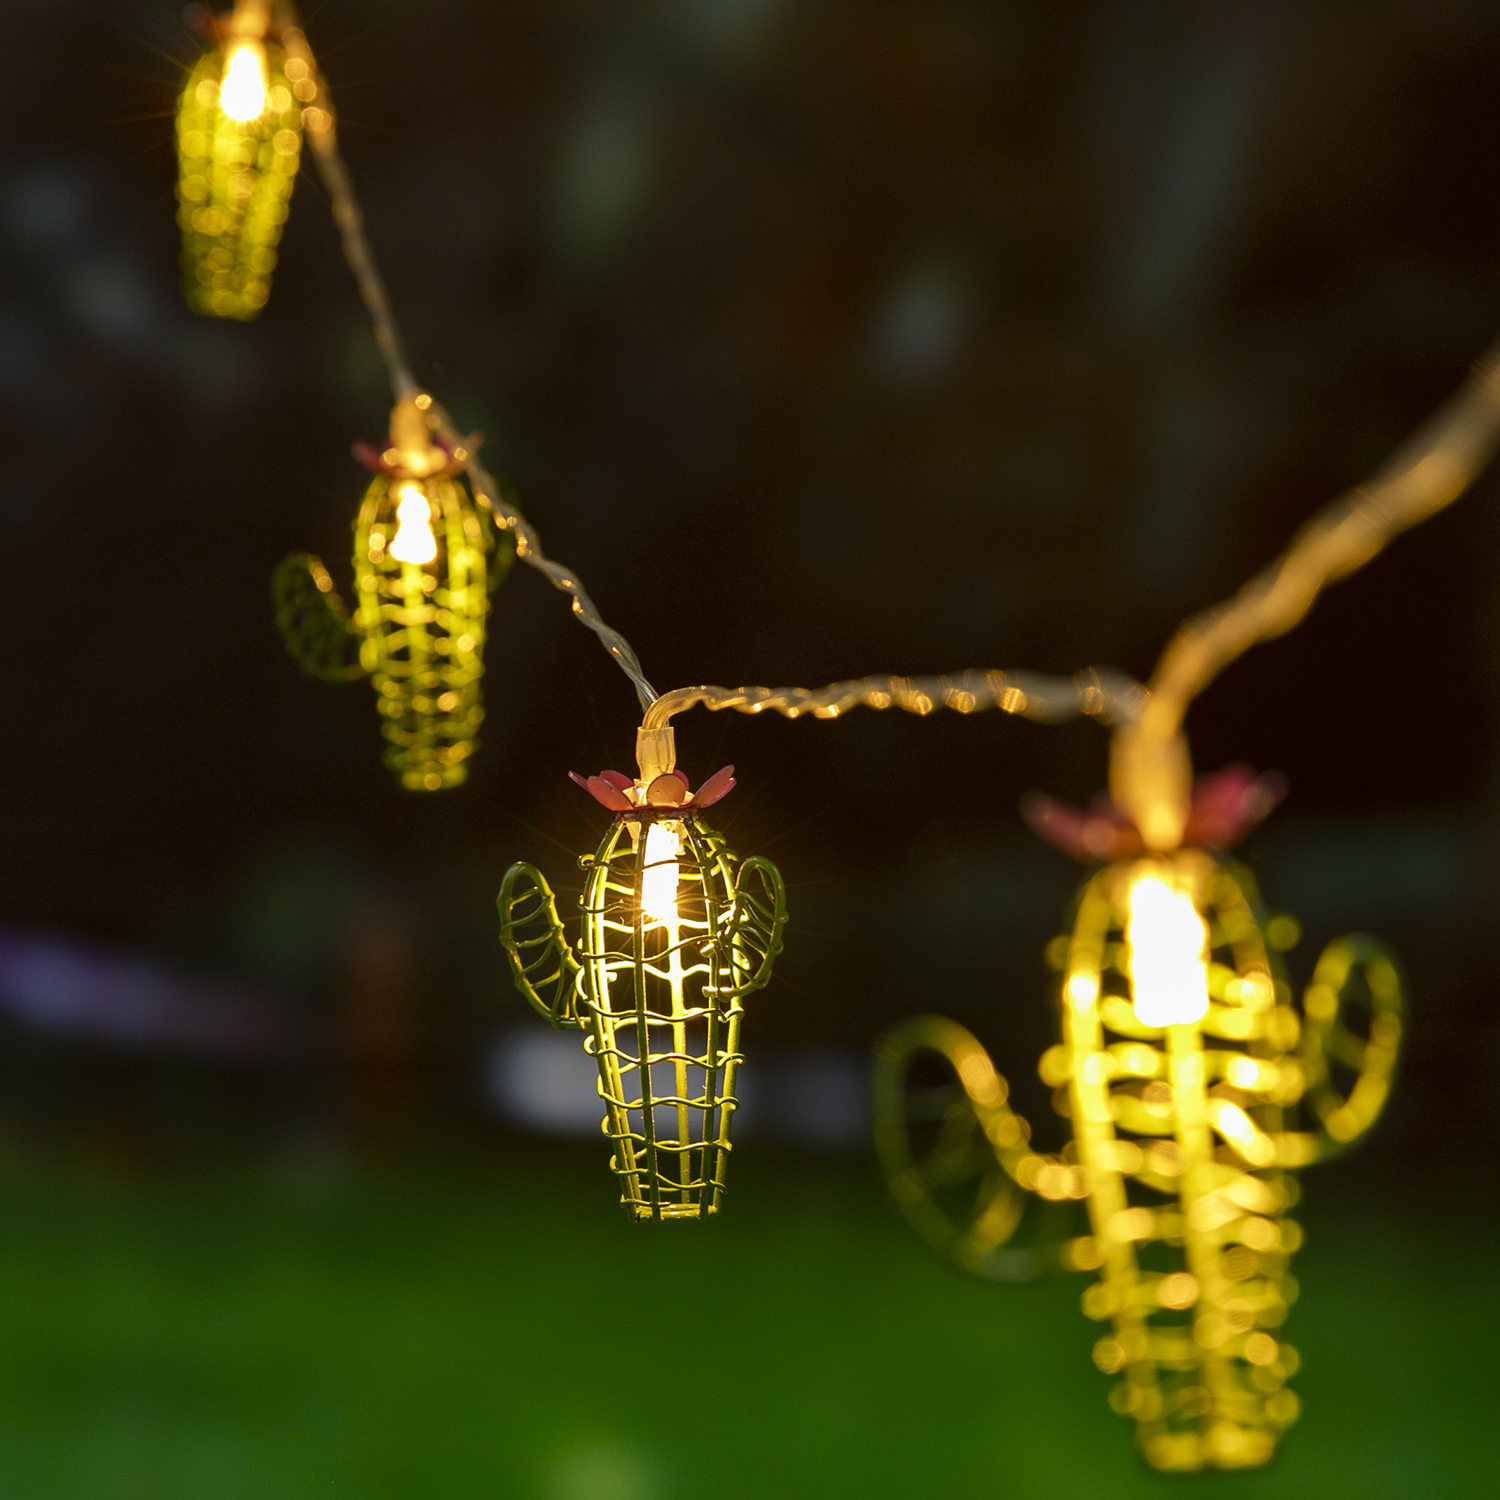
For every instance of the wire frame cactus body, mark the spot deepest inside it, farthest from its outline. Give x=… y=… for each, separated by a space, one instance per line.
x=236 y=175
x=1185 y=1138
x=676 y=933
x=422 y=626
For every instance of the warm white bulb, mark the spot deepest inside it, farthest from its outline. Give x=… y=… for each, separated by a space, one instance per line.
x=659 y=877
x=1167 y=939
x=242 y=94
x=414 y=541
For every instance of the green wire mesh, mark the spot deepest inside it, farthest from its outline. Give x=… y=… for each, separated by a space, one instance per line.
x=422 y=629
x=234 y=183
x=660 y=998
x=313 y=620
x=1184 y=1140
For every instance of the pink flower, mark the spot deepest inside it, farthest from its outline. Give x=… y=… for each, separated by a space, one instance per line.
x=1226 y=806
x=379 y=461
x=619 y=793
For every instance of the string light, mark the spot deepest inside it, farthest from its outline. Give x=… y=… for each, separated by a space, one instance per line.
x=677 y=932
x=1150 y=770
x=1165 y=940
x=239 y=142
x=1160 y=945
x=1193 y=1085
x=426 y=558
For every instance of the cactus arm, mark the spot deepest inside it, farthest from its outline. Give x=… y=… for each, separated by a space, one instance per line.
x=1349 y=969
x=756 y=924
x=979 y=1136
x=313 y=621
x=541 y=960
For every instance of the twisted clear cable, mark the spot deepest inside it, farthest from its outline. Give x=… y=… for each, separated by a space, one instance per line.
x=1099 y=692
x=1150 y=771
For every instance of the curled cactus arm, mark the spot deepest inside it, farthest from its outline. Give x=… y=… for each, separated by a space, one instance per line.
x=313 y=620
x=541 y=960
x=756 y=924
x=973 y=1141
x=1354 y=974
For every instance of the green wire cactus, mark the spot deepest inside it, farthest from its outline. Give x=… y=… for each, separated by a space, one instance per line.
x=1194 y=1088
x=677 y=931
x=425 y=560
x=239 y=142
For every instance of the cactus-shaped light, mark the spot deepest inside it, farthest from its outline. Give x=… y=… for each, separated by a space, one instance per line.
x=425 y=560
x=239 y=141
x=1182 y=1069
x=677 y=931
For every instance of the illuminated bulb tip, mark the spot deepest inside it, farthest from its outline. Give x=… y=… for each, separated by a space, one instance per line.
x=659 y=875
x=1167 y=940
x=414 y=541
x=242 y=94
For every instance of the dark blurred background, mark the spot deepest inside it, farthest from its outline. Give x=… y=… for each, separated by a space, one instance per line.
x=822 y=338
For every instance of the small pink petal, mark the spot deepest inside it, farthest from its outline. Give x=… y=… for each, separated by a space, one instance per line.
x=366 y=455
x=668 y=790
x=719 y=785
x=611 y=796
x=1223 y=791
x=1085 y=836
x=1228 y=804
x=614 y=778
x=1060 y=825
x=602 y=792
x=1101 y=837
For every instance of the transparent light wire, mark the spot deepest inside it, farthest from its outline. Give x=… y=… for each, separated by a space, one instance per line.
x=1150 y=773
x=1044 y=698
x=1098 y=692
x=1150 y=770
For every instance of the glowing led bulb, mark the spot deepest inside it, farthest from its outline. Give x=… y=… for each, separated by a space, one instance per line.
x=659 y=877
x=242 y=94
x=414 y=541
x=1167 y=939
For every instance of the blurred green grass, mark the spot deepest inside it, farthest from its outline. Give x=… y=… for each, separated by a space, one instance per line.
x=499 y=1330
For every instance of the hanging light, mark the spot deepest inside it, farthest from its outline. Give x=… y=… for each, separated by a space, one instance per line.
x=239 y=141
x=414 y=541
x=1193 y=1087
x=1166 y=941
x=425 y=560
x=677 y=931
x=243 y=88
